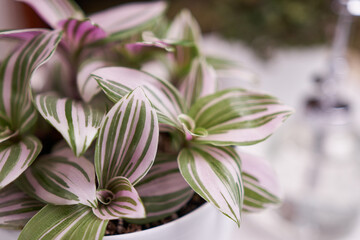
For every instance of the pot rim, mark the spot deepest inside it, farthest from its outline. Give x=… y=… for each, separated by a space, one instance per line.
x=184 y=218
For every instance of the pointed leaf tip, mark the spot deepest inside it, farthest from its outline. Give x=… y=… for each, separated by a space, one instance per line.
x=128 y=139
x=215 y=174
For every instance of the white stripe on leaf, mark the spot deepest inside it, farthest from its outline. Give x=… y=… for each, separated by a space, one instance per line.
x=238 y=117
x=21 y=34
x=16 y=208
x=215 y=174
x=15 y=73
x=76 y=121
x=201 y=81
x=261 y=186
x=128 y=139
x=128 y=19
x=53 y=11
x=79 y=33
x=61 y=179
x=119 y=200
x=88 y=87
x=16 y=157
x=118 y=81
x=163 y=190
x=184 y=28
x=64 y=222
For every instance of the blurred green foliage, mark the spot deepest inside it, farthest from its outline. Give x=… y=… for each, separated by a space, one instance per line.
x=260 y=23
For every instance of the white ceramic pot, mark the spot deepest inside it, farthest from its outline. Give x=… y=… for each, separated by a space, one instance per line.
x=205 y=223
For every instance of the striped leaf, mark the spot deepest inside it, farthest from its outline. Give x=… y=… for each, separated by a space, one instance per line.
x=79 y=33
x=184 y=27
x=88 y=87
x=215 y=174
x=128 y=140
x=64 y=223
x=128 y=19
x=116 y=82
x=53 y=11
x=163 y=190
x=61 y=179
x=16 y=208
x=200 y=82
x=15 y=73
x=16 y=157
x=21 y=34
x=76 y=121
x=238 y=117
x=119 y=200
x=260 y=183
x=6 y=133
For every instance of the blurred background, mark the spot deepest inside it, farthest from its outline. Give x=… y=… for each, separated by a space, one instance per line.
x=306 y=52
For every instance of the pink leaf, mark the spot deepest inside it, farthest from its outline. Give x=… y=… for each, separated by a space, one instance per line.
x=128 y=17
x=119 y=200
x=128 y=139
x=53 y=11
x=61 y=178
x=215 y=174
x=116 y=82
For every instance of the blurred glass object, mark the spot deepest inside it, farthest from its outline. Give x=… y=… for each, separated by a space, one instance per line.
x=318 y=156
x=317 y=161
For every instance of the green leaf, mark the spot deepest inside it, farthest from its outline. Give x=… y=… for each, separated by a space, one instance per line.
x=116 y=82
x=129 y=19
x=238 y=117
x=15 y=73
x=163 y=190
x=201 y=81
x=76 y=121
x=61 y=179
x=128 y=140
x=215 y=174
x=16 y=208
x=16 y=156
x=119 y=200
x=261 y=187
x=64 y=223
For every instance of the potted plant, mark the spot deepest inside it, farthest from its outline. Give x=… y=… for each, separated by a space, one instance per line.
x=117 y=116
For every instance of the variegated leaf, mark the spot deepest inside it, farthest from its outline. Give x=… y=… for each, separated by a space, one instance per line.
x=215 y=174
x=119 y=200
x=64 y=223
x=128 y=19
x=261 y=187
x=79 y=33
x=22 y=34
x=6 y=133
x=184 y=28
x=88 y=87
x=16 y=157
x=200 y=82
x=128 y=139
x=76 y=121
x=163 y=190
x=61 y=179
x=15 y=73
x=238 y=117
x=16 y=208
x=53 y=11
x=118 y=81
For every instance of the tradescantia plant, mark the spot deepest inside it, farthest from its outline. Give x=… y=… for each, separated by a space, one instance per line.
x=166 y=132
